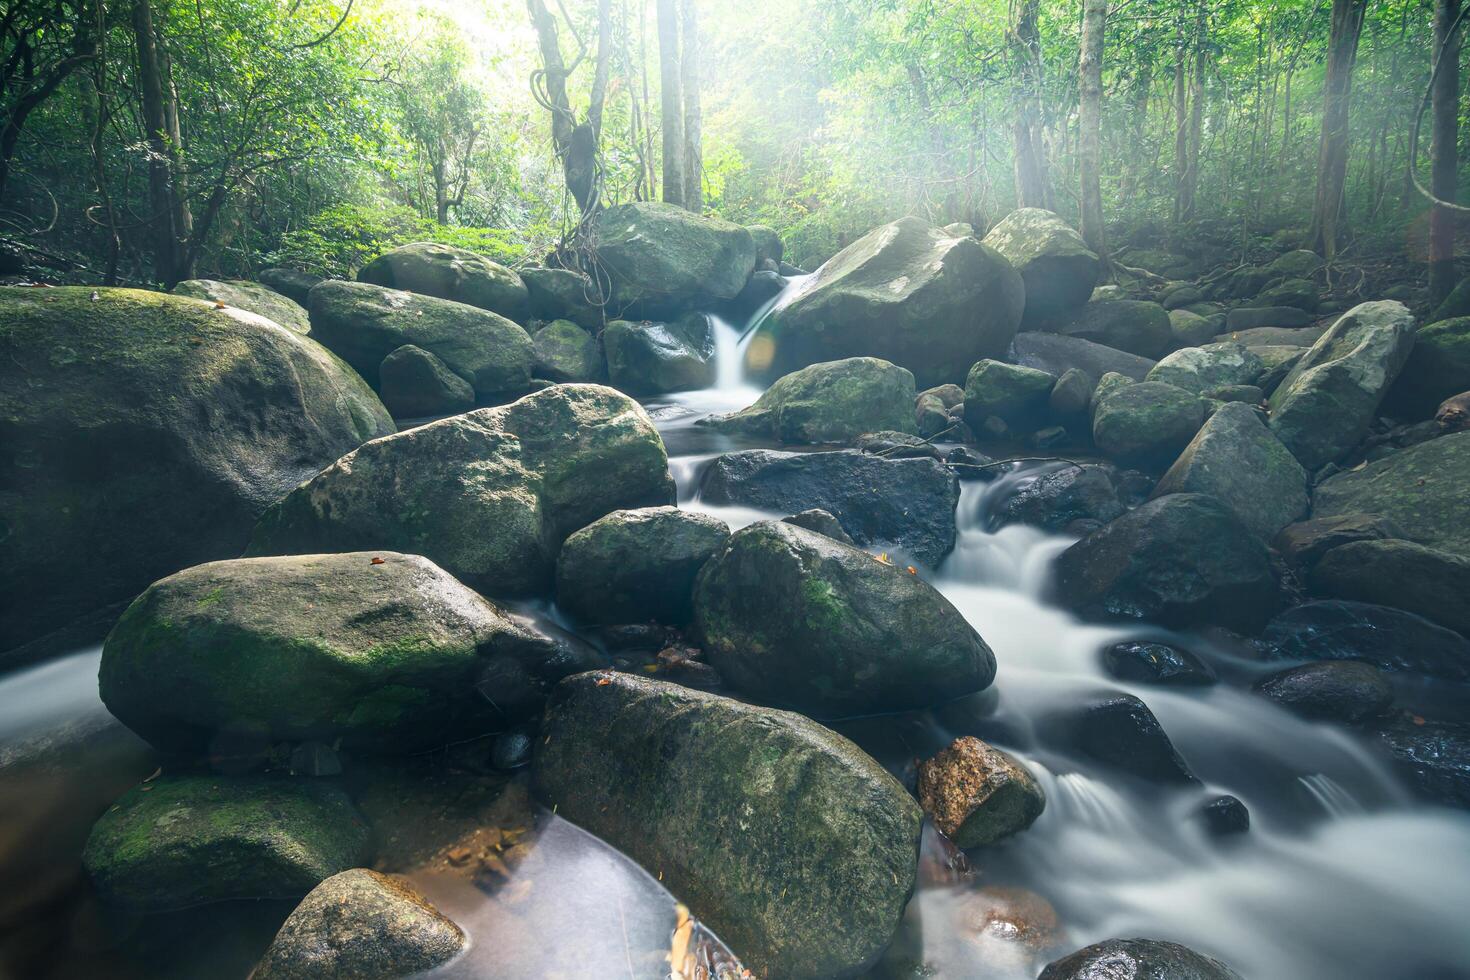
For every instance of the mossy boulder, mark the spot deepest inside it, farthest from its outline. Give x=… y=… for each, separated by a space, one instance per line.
x=1135 y=326
x=798 y=849
x=1057 y=354
x=414 y=383
x=431 y=269
x=1299 y=263
x=632 y=566
x=1237 y=460
x=905 y=292
x=372 y=650
x=361 y=924
x=144 y=433
x=1020 y=396
x=1181 y=560
x=1058 y=268
x=932 y=408
x=1198 y=369
x=1438 y=368
x=567 y=353
x=835 y=401
x=364 y=323
x=489 y=495
x=663 y=260
x=1147 y=422
x=291 y=283
x=793 y=617
x=1324 y=406
x=1294 y=293
x=181 y=841
x=649 y=358
x=1193 y=330
x=251 y=297
x=560 y=294
x=768 y=244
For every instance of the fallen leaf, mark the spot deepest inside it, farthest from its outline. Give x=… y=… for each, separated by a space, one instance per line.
x=377 y=561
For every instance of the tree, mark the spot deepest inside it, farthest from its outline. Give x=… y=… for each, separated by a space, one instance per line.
x=42 y=42
x=170 y=218
x=1444 y=148
x=1030 y=157
x=575 y=143
x=442 y=112
x=1337 y=86
x=689 y=81
x=671 y=102
x=1089 y=118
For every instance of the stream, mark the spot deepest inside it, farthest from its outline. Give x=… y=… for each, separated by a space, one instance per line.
x=1341 y=875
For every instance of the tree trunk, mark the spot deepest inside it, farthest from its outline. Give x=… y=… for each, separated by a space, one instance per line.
x=1196 y=118
x=1025 y=44
x=1443 y=152
x=1347 y=27
x=1089 y=118
x=671 y=101
x=693 y=121
x=575 y=146
x=1181 y=133
x=163 y=220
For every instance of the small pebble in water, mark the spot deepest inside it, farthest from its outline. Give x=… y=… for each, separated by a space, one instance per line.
x=511 y=750
x=1225 y=815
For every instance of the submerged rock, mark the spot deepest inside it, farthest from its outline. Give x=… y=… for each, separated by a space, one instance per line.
x=1431 y=583
x=1121 y=731
x=905 y=504
x=415 y=383
x=632 y=566
x=1136 y=326
x=794 y=617
x=251 y=297
x=1224 y=816
x=364 y=925
x=144 y=433
x=189 y=840
x=372 y=650
x=978 y=794
x=1058 y=268
x=647 y=358
x=489 y=495
x=566 y=353
x=1060 y=499
x=1156 y=663
x=1330 y=690
x=431 y=269
x=1390 y=639
x=1137 y=959
x=905 y=292
x=663 y=260
x=1433 y=757
x=699 y=789
x=835 y=401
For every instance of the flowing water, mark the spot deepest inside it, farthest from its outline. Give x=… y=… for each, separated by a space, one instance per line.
x=1341 y=874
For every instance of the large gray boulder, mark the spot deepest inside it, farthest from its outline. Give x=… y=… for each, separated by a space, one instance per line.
x=364 y=323
x=1236 y=459
x=699 y=789
x=903 y=505
x=144 y=433
x=364 y=925
x=1056 y=354
x=1199 y=369
x=663 y=260
x=1438 y=368
x=1420 y=489
x=489 y=495
x=1136 y=326
x=905 y=292
x=451 y=273
x=375 y=650
x=1326 y=403
x=1148 y=422
x=291 y=283
x=251 y=297
x=560 y=294
x=180 y=841
x=414 y=383
x=1183 y=559
x=794 y=617
x=835 y=401
x=648 y=358
x=1058 y=268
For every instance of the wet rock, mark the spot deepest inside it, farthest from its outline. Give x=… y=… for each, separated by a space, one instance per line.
x=896 y=445
x=1007 y=926
x=559 y=294
x=567 y=353
x=932 y=407
x=1433 y=756
x=1056 y=500
x=1303 y=544
x=1122 y=732
x=764 y=286
x=970 y=465
x=180 y=841
x=1135 y=326
x=363 y=323
x=1191 y=329
x=1390 y=639
x=635 y=565
x=291 y=283
x=1018 y=395
x=1183 y=559
x=414 y=383
x=904 y=504
x=822 y=522
x=371 y=650
x=510 y=750
x=1243 y=319
x=830 y=402
x=1324 y=406
x=251 y=297
x=1143 y=662
x=978 y=794
x=1056 y=354
x=1438 y=367
x=361 y=924
x=791 y=616
x=1330 y=690
x=664 y=260
x=1454 y=414
x=1058 y=268
x=905 y=292
x=698 y=788
x=1137 y=959
x=1431 y=583
x=649 y=358
x=144 y=433
x=1071 y=396
x=1238 y=461
x=489 y=495
x=1147 y=422
x=457 y=274
x=1224 y=816
x=1198 y=369
x=1420 y=489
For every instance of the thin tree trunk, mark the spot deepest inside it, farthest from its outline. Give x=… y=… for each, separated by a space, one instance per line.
x=1142 y=84
x=1347 y=27
x=1443 y=152
x=693 y=120
x=575 y=146
x=1196 y=117
x=1025 y=45
x=1181 y=131
x=151 y=83
x=671 y=101
x=1089 y=116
